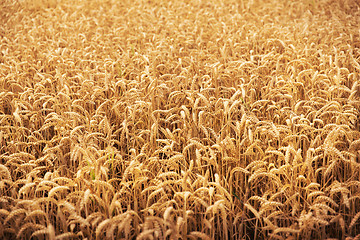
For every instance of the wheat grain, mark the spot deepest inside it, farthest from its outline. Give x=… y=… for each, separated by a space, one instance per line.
x=199 y=235
x=188 y=128
x=37 y=214
x=57 y=189
x=34 y=227
x=354 y=220
x=13 y=214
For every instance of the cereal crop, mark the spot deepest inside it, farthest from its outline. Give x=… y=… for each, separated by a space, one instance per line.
x=179 y=119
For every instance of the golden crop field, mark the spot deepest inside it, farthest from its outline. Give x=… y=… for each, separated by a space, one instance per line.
x=180 y=119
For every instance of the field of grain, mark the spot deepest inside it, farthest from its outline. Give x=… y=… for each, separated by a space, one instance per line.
x=201 y=119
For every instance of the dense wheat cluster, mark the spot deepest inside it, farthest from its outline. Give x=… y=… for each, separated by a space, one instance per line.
x=156 y=119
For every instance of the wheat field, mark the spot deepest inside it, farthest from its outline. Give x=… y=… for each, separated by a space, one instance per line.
x=201 y=119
